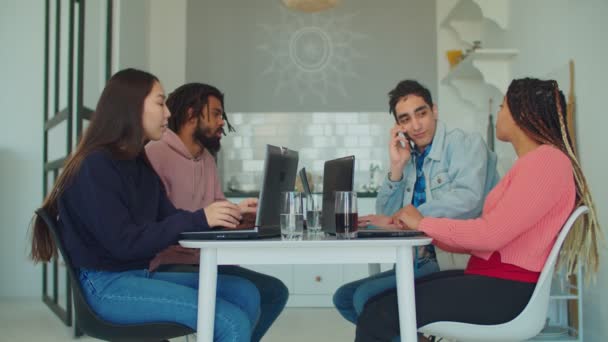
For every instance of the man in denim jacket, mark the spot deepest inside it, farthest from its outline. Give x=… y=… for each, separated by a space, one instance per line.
x=442 y=173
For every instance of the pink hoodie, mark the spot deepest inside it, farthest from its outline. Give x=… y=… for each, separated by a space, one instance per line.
x=191 y=183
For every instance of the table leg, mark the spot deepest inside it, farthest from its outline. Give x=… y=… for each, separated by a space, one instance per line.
x=207 y=284
x=406 y=299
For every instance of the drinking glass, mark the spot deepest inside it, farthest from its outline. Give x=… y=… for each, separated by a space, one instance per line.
x=346 y=214
x=292 y=216
x=314 y=205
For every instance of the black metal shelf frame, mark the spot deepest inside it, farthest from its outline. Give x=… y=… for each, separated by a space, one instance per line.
x=74 y=112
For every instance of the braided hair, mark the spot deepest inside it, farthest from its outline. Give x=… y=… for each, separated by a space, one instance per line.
x=194 y=97
x=538 y=108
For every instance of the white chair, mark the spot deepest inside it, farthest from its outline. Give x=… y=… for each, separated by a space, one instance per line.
x=528 y=323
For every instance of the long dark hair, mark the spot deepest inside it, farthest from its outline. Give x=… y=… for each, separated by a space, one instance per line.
x=116 y=126
x=539 y=108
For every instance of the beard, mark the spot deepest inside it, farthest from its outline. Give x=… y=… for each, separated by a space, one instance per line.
x=207 y=139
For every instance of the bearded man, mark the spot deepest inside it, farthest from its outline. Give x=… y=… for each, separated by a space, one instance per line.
x=184 y=161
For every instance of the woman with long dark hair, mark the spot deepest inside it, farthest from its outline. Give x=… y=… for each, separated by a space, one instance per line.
x=114 y=216
x=510 y=242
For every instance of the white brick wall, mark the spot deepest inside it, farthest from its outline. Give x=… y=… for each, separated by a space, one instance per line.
x=317 y=136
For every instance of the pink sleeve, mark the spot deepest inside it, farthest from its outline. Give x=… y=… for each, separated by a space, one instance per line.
x=155 y=155
x=219 y=194
x=533 y=191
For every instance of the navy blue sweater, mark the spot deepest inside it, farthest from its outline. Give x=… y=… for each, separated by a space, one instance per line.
x=115 y=214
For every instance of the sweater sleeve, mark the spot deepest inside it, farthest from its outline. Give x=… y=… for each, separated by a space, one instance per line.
x=155 y=155
x=219 y=194
x=107 y=217
x=531 y=194
x=167 y=209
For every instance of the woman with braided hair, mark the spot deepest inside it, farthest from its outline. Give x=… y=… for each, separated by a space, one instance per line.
x=511 y=240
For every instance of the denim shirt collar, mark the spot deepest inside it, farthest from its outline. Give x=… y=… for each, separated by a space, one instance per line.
x=437 y=145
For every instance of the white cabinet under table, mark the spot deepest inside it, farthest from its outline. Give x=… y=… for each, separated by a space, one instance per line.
x=313 y=285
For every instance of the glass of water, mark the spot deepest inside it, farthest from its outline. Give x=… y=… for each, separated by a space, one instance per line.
x=314 y=206
x=292 y=215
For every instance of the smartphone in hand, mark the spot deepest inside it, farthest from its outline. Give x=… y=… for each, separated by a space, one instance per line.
x=404 y=135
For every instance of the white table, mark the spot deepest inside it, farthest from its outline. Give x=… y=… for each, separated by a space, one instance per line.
x=318 y=251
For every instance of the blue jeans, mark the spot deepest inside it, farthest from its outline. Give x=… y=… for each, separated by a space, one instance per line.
x=138 y=296
x=350 y=299
x=273 y=296
x=273 y=293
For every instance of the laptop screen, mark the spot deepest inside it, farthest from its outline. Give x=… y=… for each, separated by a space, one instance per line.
x=338 y=175
x=280 y=169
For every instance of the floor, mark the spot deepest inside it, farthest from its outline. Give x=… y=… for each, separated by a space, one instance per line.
x=30 y=320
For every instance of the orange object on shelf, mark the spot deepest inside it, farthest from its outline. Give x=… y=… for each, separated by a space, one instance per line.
x=454 y=57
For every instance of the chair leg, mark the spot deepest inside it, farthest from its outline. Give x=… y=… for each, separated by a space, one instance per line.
x=77 y=331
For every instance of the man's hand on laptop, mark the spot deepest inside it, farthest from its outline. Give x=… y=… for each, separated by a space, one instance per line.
x=377 y=221
x=223 y=214
x=249 y=206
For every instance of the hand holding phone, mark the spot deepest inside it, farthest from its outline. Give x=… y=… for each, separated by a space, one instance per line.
x=406 y=137
x=399 y=151
x=402 y=135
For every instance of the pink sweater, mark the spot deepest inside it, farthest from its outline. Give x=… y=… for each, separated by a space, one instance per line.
x=191 y=183
x=521 y=217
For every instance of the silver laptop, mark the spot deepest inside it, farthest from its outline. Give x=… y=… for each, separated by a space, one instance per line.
x=280 y=168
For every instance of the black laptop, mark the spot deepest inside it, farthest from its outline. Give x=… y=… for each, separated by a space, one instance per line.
x=372 y=232
x=338 y=175
x=280 y=168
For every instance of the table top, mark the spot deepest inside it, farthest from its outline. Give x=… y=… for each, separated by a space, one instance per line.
x=309 y=241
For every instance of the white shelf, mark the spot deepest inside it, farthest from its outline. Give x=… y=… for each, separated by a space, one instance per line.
x=564 y=297
x=496 y=11
x=467 y=16
x=480 y=69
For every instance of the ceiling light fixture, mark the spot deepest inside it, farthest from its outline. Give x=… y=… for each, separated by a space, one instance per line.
x=310 y=6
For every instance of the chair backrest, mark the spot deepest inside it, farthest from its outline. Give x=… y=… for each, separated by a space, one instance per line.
x=87 y=319
x=81 y=306
x=93 y=325
x=540 y=297
x=530 y=321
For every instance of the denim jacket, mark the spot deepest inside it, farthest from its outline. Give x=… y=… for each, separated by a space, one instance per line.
x=459 y=172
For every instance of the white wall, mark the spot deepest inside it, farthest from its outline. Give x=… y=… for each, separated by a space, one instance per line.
x=167 y=42
x=21 y=67
x=131 y=45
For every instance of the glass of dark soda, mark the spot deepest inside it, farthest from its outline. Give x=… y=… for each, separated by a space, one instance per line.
x=346 y=214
